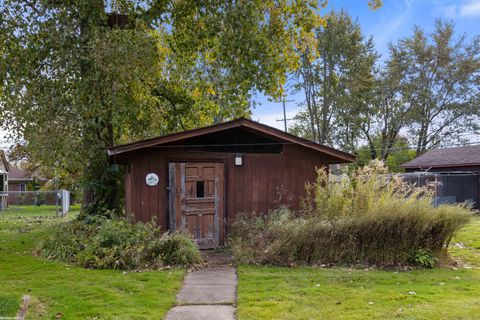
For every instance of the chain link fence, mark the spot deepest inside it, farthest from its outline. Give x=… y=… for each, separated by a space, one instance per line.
x=448 y=187
x=51 y=203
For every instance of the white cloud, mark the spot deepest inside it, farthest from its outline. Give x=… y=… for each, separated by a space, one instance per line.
x=465 y=9
x=471 y=9
x=450 y=12
x=384 y=31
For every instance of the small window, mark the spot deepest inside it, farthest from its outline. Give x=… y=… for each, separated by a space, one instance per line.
x=23 y=187
x=200 y=189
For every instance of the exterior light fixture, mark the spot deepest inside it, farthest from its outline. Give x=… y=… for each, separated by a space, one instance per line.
x=238 y=159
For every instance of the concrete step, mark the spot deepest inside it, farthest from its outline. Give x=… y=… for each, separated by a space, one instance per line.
x=201 y=312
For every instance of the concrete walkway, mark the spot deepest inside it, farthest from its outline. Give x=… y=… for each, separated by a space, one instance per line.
x=207 y=294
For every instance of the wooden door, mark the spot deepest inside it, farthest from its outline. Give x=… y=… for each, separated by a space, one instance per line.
x=196 y=201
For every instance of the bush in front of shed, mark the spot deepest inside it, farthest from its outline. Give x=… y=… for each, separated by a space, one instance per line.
x=369 y=219
x=101 y=243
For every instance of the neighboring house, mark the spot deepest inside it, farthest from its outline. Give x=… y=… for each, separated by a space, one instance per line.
x=4 y=169
x=200 y=179
x=454 y=170
x=19 y=181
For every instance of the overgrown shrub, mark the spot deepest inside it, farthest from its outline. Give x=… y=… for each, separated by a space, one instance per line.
x=371 y=218
x=118 y=244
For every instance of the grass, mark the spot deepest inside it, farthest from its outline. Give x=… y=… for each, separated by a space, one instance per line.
x=62 y=291
x=341 y=293
x=30 y=211
x=465 y=247
x=312 y=293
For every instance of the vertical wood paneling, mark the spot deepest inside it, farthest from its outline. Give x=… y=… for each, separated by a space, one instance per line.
x=277 y=167
x=301 y=177
x=263 y=170
x=137 y=188
x=128 y=190
x=152 y=190
x=145 y=196
x=247 y=184
x=294 y=177
x=254 y=186
x=230 y=189
x=286 y=186
x=162 y=201
x=271 y=182
x=221 y=186
x=239 y=187
x=162 y=192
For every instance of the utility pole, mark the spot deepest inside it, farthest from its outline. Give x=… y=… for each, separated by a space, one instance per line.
x=284 y=113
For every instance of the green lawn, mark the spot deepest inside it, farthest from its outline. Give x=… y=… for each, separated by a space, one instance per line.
x=340 y=293
x=30 y=211
x=75 y=293
x=465 y=247
x=263 y=292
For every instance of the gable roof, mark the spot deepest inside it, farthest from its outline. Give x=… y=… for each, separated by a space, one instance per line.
x=17 y=174
x=238 y=123
x=444 y=158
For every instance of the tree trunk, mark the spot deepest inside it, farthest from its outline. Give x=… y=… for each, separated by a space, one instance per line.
x=100 y=185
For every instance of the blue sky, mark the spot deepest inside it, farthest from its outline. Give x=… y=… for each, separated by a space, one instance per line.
x=393 y=21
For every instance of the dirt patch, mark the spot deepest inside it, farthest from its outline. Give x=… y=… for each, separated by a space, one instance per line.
x=217 y=258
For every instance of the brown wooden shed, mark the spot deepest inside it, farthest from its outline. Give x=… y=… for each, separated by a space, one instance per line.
x=200 y=179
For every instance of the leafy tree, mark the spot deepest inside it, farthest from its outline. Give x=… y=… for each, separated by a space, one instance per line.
x=335 y=82
x=386 y=114
x=82 y=76
x=440 y=84
x=399 y=152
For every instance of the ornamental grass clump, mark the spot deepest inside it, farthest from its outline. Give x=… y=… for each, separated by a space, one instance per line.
x=371 y=218
x=117 y=243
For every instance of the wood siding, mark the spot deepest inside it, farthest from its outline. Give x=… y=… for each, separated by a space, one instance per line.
x=258 y=185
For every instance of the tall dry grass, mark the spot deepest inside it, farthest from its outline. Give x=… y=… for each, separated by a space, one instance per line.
x=370 y=218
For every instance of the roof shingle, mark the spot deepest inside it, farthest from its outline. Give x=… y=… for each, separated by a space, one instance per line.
x=444 y=158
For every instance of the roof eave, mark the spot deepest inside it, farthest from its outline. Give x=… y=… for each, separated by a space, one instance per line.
x=343 y=156
x=447 y=165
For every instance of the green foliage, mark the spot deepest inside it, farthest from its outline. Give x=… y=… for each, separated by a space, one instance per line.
x=179 y=249
x=409 y=95
x=426 y=65
x=336 y=81
x=118 y=244
x=95 y=83
x=75 y=293
x=355 y=103
x=398 y=153
x=424 y=258
x=371 y=218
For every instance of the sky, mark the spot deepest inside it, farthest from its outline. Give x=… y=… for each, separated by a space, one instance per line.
x=393 y=21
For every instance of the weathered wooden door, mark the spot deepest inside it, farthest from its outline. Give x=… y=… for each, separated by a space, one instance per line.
x=196 y=200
